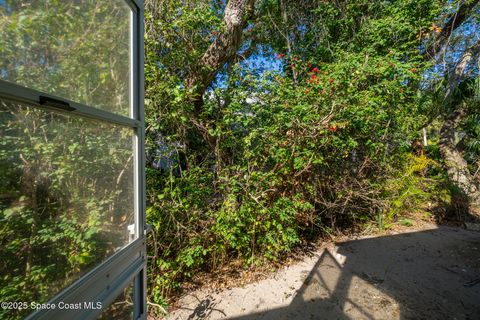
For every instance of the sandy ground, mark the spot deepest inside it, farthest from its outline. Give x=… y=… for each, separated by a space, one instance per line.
x=427 y=274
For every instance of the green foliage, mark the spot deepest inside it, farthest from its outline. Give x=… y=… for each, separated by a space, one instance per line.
x=470 y=126
x=409 y=189
x=276 y=158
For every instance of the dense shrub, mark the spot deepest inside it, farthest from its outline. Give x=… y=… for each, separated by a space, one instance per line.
x=318 y=142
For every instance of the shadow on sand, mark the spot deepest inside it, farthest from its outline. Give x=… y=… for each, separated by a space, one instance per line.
x=433 y=274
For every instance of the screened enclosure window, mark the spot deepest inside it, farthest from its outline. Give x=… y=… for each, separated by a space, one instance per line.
x=75 y=49
x=71 y=157
x=121 y=308
x=67 y=198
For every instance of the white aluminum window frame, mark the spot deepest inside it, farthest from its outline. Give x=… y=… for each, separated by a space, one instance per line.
x=107 y=280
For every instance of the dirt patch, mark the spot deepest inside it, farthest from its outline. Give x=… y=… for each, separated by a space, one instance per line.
x=428 y=273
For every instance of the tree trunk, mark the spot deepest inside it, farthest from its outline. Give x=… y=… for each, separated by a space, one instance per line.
x=461 y=71
x=457 y=167
x=223 y=49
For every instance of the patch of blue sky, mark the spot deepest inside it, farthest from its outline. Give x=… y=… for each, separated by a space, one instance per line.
x=263 y=61
x=259 y=64
x=464 y=36
x=302 y=29
x=218 y=6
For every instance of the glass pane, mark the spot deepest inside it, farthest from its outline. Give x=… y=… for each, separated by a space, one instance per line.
x=75 y=49
x=66 y=198
x=121 y=308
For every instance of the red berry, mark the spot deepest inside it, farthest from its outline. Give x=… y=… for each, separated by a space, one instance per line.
x=333 y=128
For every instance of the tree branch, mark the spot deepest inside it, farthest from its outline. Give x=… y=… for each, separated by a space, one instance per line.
x=460 y=16
x=223 y=49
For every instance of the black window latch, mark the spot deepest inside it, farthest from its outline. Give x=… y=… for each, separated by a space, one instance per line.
x=51 y=102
